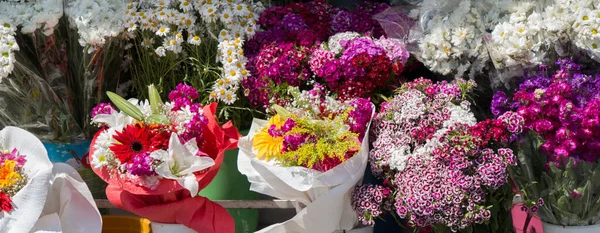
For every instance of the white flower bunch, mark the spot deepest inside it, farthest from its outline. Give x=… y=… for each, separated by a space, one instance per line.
x=234 y=70
x=453 y=34
x=30 y=16
x=586 y=25
x=238 y=19
x=170 y=23
x=96 y=20
x=33 y=15
x=8 y=45
x=519 y=41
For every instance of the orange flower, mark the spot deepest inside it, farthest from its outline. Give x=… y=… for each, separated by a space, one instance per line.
x=8 y=176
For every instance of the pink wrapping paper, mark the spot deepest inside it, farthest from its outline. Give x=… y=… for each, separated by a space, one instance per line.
x=171 y=203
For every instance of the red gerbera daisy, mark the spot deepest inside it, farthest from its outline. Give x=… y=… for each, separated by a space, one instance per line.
x=132 y=140
x=6 y=203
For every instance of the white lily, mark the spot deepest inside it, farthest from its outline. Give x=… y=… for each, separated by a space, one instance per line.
x=116 y=120
x=180 y=162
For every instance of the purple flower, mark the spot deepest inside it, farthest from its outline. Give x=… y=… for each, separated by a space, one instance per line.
x=182 y=96
x=293 y=142
x=102 y=108
x=140 y=165
x=13 y=155
x=288 y=125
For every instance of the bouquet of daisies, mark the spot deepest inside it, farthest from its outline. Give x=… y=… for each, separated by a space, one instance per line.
x=312 y=150
x=440 y=168
x=38 y=196
x=157 y=156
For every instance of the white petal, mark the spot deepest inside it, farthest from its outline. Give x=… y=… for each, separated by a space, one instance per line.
x=176 y=149
x=161 y=155
x=164 y=170
x=191 y=146
x=196 y=163
x=190 y=183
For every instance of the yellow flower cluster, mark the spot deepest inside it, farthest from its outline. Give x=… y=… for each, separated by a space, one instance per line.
x=8 y=174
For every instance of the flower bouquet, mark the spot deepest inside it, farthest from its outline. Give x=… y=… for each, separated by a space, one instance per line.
x=558 y=150
x=37 y=196
x=358 y=66
x=156 y=157
x=312 y=151
x=287 y=52
x=440 y=168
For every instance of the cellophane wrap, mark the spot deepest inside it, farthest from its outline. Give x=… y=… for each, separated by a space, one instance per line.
x=325 y=195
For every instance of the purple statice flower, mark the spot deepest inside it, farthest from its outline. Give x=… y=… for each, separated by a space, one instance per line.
x=13 y=155
x=195 y=127
x=182 y=96
x=140 y=165
x=293 y=22
x=360 y=116
x=102 y=108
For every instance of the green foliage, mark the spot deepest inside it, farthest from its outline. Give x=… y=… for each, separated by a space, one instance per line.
x=125 y=106
x=571 y=193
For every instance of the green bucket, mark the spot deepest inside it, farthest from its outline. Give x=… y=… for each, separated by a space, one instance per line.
x=230 y=184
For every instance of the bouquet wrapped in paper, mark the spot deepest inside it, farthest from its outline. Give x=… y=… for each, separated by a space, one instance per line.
x=157 y=156
x=312 y=151
x=36 y=196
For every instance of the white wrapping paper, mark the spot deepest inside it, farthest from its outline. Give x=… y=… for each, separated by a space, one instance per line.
x=69 y=204
x=55 y=198
x=29 y=201
x=326 y=195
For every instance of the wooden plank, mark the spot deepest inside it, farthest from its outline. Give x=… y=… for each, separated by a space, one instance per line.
x=230 y=204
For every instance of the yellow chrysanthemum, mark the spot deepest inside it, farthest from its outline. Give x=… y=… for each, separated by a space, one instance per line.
x=8 y=176
x=267 y=145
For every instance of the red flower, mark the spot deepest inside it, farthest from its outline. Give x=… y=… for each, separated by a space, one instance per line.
x=132 y=140
x=6 y=203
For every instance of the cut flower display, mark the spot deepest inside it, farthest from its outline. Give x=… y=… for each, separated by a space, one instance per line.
x=559 y=143
x=172 y=150
x=302 y=43
x=312 y=150
x=439 y=165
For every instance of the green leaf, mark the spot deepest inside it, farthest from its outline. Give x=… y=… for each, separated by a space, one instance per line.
x=125 y=106
x=161 y=119
x=155 y=101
